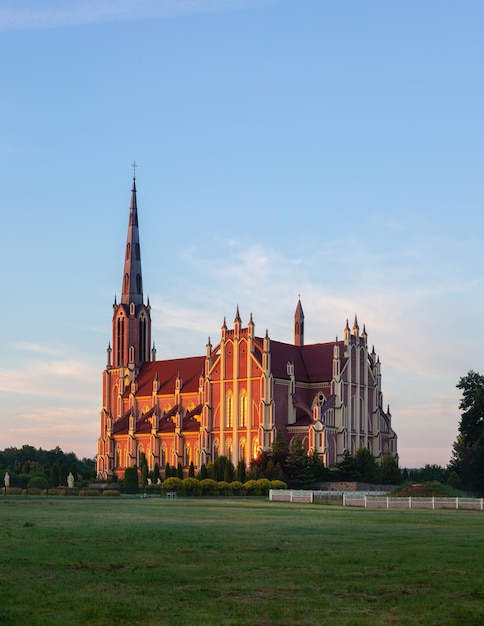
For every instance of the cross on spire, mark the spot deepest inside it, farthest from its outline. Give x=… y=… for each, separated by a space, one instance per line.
x=134 y=166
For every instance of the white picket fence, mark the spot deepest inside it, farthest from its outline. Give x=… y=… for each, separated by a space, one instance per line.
x=373 y=500
x=386 y=502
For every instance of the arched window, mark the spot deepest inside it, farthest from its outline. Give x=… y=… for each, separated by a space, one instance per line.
x=142 y=347
x=229 y=411
x=243 y=409
x=117 y=455
x=255 y=448
x=120 y=341
x=228 y=449
x=188 y=454
x=215 y=449
x=242 y=448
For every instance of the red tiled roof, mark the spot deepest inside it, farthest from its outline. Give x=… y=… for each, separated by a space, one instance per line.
x=189 y=370
x=312 y=363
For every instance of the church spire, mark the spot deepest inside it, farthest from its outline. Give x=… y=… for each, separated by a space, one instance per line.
x=132 y=289
x=299 y=325
x=131 y=318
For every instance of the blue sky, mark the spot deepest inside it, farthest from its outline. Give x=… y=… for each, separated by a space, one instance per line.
x=285 y=147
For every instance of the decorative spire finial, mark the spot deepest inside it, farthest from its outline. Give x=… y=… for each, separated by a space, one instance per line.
x=134 y=166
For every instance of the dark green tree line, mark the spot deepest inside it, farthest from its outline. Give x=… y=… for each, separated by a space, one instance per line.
x=468 y=449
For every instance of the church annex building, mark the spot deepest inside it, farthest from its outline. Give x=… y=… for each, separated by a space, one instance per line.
x=232 y=398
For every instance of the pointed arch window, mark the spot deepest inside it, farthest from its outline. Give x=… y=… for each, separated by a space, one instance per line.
x=117 y=455
x=255 y=448
x=120 y=341
x=243 y=409
x=188 y=455
x=229 y=411
x=142 y=338
x=229 y=449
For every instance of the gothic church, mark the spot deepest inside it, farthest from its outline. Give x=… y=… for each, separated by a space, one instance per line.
x=232 y=399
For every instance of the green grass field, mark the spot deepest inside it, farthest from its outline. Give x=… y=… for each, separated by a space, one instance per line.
x=105 y=561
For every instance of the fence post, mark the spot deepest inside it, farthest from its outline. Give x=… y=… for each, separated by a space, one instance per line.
x=482 y=499
x=344 y=499
x=433 y=503
x=388 y=502
x=365 y=502
x=409 y=502
x=457 y=503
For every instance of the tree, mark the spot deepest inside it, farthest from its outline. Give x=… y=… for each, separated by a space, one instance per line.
x=468 y=450
x=241 y=471
x=346 y=468
x=131 y=479
x=296 y=468
x=366 y=466
x=388 y=472
x=156 y=474
x=191 y=470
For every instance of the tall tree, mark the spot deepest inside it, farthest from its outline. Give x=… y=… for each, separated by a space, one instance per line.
x=468 y=455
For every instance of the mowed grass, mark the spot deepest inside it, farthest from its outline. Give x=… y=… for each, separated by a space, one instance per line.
x=105 y=561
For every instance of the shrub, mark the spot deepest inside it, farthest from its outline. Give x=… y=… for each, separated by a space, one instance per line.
x=38 y=482
x=238 y=488
x=209 y=487
x=89 y=492
x=110 y=492
x=192 y=487
x=224 y=488
x=278 y=484
x=14 y=491
x=172 y=484
x=68 y=491
x=153 y=489
x=252 y=488
x=49 y=492
x=264 y=486
x=32 y=491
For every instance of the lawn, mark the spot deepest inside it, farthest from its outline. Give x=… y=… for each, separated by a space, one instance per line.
x=105 y=561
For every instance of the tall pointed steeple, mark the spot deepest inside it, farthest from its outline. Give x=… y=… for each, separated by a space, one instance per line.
x=299 y=325
x=132 y=289
x=131 y=318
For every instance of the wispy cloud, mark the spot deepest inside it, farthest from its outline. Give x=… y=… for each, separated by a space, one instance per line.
x=28 y=15
x=52 y=378
x=48 y=350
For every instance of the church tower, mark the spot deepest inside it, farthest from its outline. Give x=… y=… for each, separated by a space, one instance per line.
x=131 y=318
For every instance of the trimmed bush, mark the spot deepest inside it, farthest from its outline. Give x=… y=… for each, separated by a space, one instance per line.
x=209 y=487
x=49 y=492
x=224 y=488
x=31 y=491
x=14 y=491
x=172 y=484
x=89 y=492
x=238 y=488
x=264 y=485
x=38 y=482
x=192 y=487
x=110 y=493
x=252 y=488
x=68 y=491
x=278 y=484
